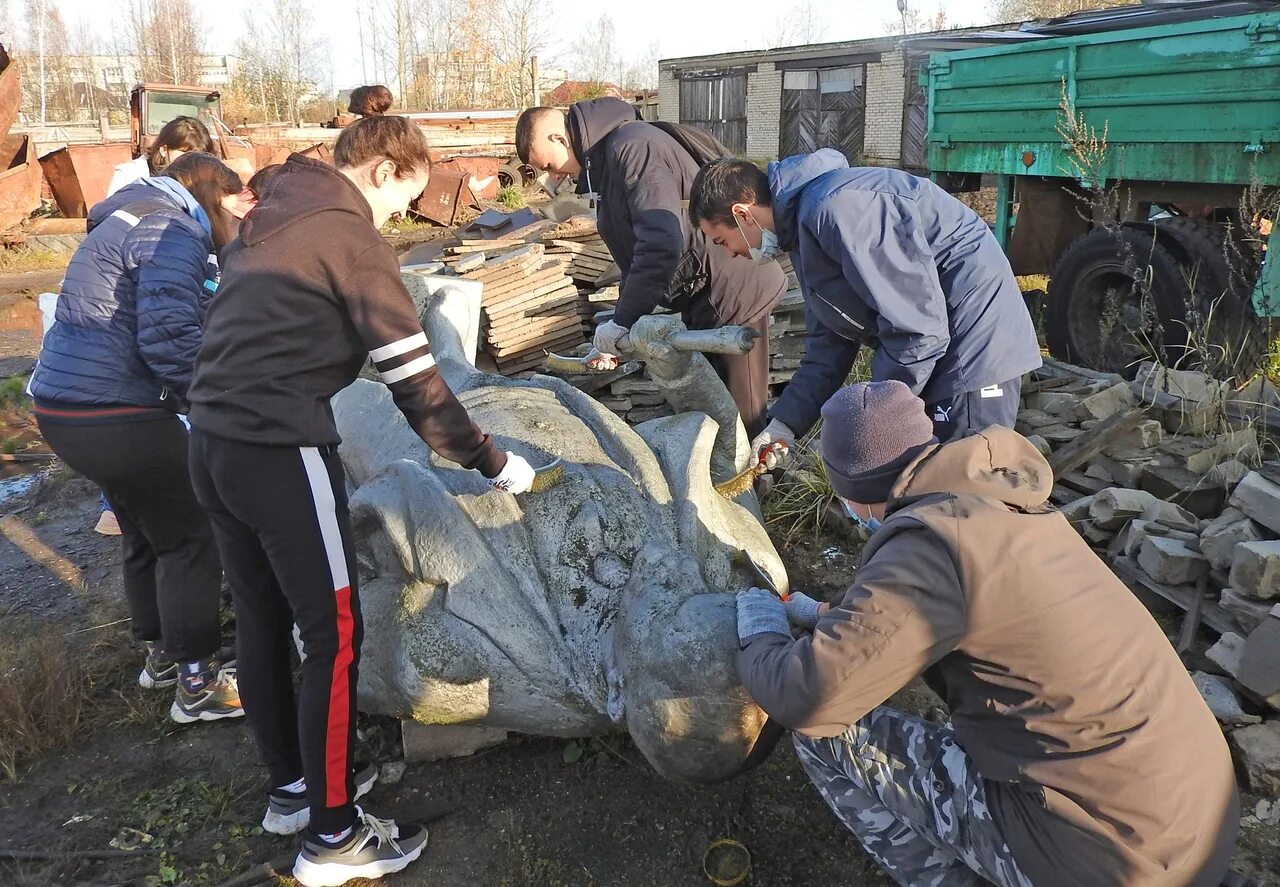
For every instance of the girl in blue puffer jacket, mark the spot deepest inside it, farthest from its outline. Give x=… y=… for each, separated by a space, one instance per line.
x=110 y=390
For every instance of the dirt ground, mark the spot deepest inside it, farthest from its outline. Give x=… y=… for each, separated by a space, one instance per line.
x=189 y=799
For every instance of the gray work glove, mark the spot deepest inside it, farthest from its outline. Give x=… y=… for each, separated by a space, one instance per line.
x=607 y=336
x=802 y=610
x=759 y=612
x=762 y=445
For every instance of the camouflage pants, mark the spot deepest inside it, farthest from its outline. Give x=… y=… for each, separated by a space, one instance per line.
x=907 y=789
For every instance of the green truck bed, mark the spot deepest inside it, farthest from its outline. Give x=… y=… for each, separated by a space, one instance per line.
x=1190 y=102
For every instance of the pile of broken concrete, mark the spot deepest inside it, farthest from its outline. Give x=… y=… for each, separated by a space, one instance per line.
x=1181 y=501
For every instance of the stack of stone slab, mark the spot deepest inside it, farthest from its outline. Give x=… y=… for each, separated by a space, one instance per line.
x=786 y=339
x=530 y=306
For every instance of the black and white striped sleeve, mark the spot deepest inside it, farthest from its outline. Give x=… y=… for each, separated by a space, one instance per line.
x=383 y=313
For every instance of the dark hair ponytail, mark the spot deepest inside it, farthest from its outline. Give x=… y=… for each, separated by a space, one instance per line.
x=209 y=180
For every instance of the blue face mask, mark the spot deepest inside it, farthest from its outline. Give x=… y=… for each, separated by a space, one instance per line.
x=768 y=251
x=870 y=524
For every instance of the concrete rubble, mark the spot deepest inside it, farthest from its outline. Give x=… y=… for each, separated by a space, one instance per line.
x=1182 y=504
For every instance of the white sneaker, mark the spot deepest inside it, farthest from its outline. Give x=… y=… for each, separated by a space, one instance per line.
x=375 y=847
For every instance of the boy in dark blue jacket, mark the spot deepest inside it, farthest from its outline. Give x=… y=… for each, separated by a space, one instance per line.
x=885 y=259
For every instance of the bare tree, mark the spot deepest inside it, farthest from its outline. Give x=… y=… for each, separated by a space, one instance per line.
x=1022 y=10
x=45 y=61
x=282 y=66
x=174 y=36
x=597 y=51
x=914 y=20
x=521 y=34
x=802 y=23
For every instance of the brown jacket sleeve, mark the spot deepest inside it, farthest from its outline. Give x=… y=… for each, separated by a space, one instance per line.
x=905 y=612
x=383 y=313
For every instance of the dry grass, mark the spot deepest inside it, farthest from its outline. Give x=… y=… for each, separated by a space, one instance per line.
x=43 y=694
x=17 y=259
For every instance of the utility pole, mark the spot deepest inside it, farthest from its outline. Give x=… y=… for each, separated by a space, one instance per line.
x=902 y=10
x=533 y=75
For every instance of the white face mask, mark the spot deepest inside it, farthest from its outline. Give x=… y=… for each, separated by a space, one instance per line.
x=768 y=251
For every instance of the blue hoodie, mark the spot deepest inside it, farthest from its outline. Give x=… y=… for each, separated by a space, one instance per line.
x=892 y=261
x=131 y=311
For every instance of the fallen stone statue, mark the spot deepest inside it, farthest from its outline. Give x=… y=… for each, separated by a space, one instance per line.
x=599 y=605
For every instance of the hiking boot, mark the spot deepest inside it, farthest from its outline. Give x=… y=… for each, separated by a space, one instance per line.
x=289 y=813
x=108 y=524
x=217 y=699
x=158 y=673
x=375 y=847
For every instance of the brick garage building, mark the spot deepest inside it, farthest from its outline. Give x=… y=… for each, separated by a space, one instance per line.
x=861 y=97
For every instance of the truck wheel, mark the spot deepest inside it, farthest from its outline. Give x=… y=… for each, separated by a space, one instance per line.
x=1220 y=333
x=1107 y=305
x=512 y=175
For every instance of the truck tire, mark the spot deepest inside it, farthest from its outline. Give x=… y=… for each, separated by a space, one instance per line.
x=1223 y=336
x=1109 y=296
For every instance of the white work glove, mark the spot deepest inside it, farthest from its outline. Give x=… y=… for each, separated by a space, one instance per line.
x=607 y=336
x=802 y=610
x=516 y=476
x=774 y=432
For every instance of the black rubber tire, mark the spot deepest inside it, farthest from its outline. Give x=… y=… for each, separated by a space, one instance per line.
x=512 y=175
x=1097 y=314
x=1221 y=333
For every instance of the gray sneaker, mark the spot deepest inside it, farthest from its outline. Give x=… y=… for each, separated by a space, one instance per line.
x=158 y=673
x=289 y=813
x=375 y=847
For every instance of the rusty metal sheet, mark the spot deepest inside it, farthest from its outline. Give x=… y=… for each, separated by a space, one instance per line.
x=10 y=93
x=483 y=172
x=446 y=190
x=20 y=181
x=78 y=175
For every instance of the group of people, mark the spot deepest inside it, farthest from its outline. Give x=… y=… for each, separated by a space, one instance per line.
x=204 y=325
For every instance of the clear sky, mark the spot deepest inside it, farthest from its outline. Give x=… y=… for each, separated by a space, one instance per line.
x=681 y=27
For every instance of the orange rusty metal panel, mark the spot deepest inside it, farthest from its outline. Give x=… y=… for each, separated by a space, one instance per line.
x=79 y=175
x=10 y=93
x=20 y=181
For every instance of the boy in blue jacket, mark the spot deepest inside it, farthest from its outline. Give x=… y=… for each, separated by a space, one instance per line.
x=888 y=260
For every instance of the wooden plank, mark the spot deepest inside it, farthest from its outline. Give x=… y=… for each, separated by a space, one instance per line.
x=1211 y=613
x=1046 y=384
x=1095 y=440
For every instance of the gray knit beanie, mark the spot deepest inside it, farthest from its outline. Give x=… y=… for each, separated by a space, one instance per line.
x=870 y=432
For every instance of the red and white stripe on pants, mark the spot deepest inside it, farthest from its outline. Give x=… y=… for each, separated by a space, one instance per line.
x=336 y=763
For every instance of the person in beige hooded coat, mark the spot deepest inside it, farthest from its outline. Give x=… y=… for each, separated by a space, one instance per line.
x=1078 y=752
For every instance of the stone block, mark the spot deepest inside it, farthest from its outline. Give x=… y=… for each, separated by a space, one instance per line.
x=1171 y=561
x=1171 y=516
x=435 y=742
x=1030 y=420
x=1040 y=444
x=1255 y=569
x=1187 y=417
x=1148 y=434
x=1096 y=534
x=1105 y=403
x=1059 y=434
x=1125 y=472
x=1077 y=512
x=1183 y=487
x=1260 y=659
x=1259 y=498
x=1112 y=508
x=1227 y=474
x=1220 y=536
x=1188 y=384
x=1222 y=700
x=1226 y=652
x=1257 y=753
x=1057 y=402
x=1098 y=472
x=635 y=385
x=1139 y=530
x=1249 y=612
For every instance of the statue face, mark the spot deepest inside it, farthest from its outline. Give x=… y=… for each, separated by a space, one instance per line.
x=603 y=604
